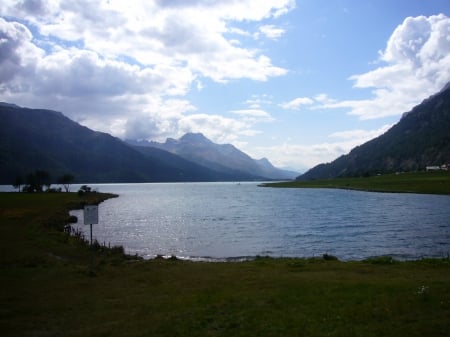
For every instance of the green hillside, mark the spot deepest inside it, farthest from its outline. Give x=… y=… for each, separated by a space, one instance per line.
x=420 y=139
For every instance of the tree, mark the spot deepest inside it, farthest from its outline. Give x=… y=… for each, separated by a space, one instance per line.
x=43 y=179
x=37 y=180
x=18 y=182
x=84 y=190
x=66 y=180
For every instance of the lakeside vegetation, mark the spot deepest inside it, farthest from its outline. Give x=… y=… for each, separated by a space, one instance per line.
x=47 y=290
x=417 y=182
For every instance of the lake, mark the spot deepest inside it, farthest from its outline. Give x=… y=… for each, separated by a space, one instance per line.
x=220 y=221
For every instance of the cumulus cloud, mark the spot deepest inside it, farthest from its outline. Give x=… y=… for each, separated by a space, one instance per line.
x=415 y=65
x=124 y=68
x=189 y=34
x=217 y=128
x=18 y=55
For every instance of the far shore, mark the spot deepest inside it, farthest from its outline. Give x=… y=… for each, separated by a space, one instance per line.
x=416 y=182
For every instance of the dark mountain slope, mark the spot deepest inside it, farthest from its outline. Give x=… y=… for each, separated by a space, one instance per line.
x=224 y=158
x=33 y=139
x=419 y=139
x=203 y=173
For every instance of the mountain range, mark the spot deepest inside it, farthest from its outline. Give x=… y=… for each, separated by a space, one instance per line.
x=421 y=138
x=224 y=158
x=39 y=139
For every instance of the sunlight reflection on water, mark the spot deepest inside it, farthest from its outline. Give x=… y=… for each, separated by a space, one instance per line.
x=222 y=220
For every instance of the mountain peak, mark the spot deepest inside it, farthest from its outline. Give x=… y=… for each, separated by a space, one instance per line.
x=191 y=137
x=224 y=158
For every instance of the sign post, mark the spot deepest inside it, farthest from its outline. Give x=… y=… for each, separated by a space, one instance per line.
x=91 y=218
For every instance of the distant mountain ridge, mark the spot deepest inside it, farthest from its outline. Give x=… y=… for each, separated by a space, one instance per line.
x=32 y=139
x=421 y=138
x=224 y=158
x=40 y=139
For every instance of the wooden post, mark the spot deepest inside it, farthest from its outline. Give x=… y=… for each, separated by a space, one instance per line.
x=91 y=268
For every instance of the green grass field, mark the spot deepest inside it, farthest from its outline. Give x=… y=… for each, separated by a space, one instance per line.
x=418 y=182
x=47 y=290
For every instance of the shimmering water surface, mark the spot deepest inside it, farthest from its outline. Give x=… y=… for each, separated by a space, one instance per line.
x=225 y=220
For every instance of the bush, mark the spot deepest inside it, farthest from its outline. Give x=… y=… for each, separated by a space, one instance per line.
x=328 y=257
x=85 y=189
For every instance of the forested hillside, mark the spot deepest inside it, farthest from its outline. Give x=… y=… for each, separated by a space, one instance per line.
x=421 y=138
x=45 y=140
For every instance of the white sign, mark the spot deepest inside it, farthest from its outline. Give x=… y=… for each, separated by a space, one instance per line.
x=91 y=215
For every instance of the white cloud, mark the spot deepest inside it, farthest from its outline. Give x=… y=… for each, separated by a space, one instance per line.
x=18 y=55
x=303 y=157
x=416 y=65
x=296 y=103
x=271 y=31
x=124 y=67
x=317 y=102
x=257 y=101
x=298 y=156
x=360 y=136
x=324 y=99
x=161 y=32
x=256 y=113
x=215 y=127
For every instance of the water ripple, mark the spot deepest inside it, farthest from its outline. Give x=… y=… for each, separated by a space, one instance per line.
x=223 y=220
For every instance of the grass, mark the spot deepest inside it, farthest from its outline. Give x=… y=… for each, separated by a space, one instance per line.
x=46 y=289
x=417 y=182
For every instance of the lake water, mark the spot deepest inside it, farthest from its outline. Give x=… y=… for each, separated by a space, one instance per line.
x=237 y=220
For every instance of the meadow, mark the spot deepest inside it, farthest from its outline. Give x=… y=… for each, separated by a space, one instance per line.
x=47 y=288
x=408 y=182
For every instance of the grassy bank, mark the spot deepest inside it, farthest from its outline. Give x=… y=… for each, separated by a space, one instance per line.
x=417 y=182
x=46 y=289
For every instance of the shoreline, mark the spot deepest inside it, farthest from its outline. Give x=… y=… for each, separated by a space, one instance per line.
x=437 y=183
x=381 y=259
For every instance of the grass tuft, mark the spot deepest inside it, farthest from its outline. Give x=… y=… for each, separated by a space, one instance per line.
x=381 y=260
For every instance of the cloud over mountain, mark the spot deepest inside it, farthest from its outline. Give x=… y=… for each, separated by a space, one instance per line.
x=111 y=65
x=239 y=71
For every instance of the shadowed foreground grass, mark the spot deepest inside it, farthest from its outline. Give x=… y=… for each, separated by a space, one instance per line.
x=417 y=182
x=46 y=289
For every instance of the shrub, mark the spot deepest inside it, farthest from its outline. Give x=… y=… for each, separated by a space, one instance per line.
x=85 y=189
x=328 y=257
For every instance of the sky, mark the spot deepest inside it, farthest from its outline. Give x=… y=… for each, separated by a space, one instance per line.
x=298 y=82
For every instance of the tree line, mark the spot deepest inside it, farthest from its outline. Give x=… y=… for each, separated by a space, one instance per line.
x=40 y=181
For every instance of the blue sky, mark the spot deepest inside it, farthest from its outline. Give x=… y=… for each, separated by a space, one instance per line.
x=298 y=82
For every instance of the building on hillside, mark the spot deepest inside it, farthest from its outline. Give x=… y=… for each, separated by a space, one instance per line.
x=444 y=167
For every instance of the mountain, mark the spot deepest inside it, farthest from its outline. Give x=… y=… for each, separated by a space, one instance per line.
x=32 y=139
x=224 y=158
x=421 y=138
